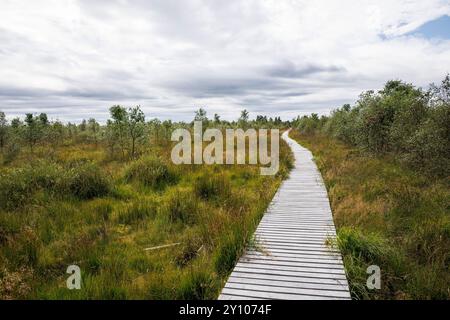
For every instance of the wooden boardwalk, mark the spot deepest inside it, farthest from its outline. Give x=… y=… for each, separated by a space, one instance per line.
x=292 y=259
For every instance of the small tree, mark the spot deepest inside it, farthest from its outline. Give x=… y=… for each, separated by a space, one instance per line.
x=94 y=128
x=216 y=118
x=200 y=115
x=83 y=125
x=167 y=131
x=45 y=132
x=43 y=120
x=154 y=126
x=33 y=130
x=119 y=117
x=16 y=123
x=243 y=119
x=136 y=125
x=244 y=116
x=440 y=94
x=56 y=134
x=3 y=130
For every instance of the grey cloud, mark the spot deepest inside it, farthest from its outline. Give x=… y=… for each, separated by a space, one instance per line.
x=172 y=56
x=218 y=87
x=97 y=94
x=288 y=69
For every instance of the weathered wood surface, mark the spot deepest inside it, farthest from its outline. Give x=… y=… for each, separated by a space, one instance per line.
x=292 y=258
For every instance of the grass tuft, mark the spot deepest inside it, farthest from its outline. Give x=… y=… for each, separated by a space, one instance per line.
x=151 y=172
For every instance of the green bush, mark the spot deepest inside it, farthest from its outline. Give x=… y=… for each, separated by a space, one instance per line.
x=400 y=119
x=343 y=124
x=151 y=172
x=45 y=175
x=17 y=186
x=88 y=181
x=429 y=146
x=309 y=125
x=14 y=189
x=11 y=152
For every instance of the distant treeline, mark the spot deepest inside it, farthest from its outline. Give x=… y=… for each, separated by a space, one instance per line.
x=400 y=119
x=408 y=122
x=125 y=133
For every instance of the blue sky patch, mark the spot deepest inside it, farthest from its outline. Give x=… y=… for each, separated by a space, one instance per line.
x=438 y=28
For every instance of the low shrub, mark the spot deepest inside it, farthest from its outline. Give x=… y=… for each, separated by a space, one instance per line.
x=14 y=189
x=88 y=181
x=17 y=186
x=151 y=172
x=11 y=152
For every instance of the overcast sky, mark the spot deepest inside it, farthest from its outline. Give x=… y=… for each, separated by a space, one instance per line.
x=75 y=58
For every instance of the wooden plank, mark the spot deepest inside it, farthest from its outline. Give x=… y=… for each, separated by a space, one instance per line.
x=289 y=282
x=286 y=278
x=275 y=295
x=323 y=251
x=292 y=290
x=318 y=270
x=236 y=297
x=274 y=250
x=297 y=218
x=293 y=226
x=294 y=264
x=294 y=257
x=260 y=236
x=292 y=273
x=267 y=242
x=299 y=231
x=282 y=232
x=289 y=233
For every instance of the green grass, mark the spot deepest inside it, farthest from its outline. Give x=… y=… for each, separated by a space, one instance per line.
x=386 y=215
x=81 y=206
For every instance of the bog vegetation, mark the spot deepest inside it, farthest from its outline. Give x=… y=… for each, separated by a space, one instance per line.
x=386 y=163
x=98 y=195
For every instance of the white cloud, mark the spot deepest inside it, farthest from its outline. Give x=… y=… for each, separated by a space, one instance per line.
x=73 y=59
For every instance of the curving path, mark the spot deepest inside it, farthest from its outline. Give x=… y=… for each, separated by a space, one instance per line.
x=292 y=259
